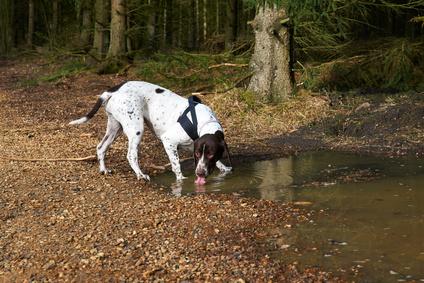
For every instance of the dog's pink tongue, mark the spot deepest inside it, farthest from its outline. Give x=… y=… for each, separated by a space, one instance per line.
x=200 y=180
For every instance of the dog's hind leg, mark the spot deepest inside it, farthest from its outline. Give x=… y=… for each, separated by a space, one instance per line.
x=113 y=129
x=134 y=132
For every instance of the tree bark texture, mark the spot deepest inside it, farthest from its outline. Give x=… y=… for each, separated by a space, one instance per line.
x=193 y=42
x=30 y=32
x=231 y=24
x=169 y=23
x=179 y=38
x=86 y=26
x=55 y=21
x=151 y=25
x=6 y=29
x=205 y=20
x=117 y=31
x=101 y=8
x=160 y=30
x=217 y=15
x=270 y=65
x=129 y=40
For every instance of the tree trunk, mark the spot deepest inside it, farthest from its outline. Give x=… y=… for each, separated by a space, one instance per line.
x=55 y=20
x=231 y=24
x=117 y=32
x=86 y=27
x=100 y=27
x=242 y=21
x=160 y=24
x=151 y=25
x=180 y=25
x=205 y=21
x=193 y=26
x=270 y=61
x=217 y=15
x=30 y=23
x=197 y=25
x=128 y=28
x=6 y=30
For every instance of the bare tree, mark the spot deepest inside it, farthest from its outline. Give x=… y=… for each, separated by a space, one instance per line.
x=101 y=8
x=205 y=20
x=30 y=32
x=54 y=23
x=6 y=29
x=193 y=27
x=86 y=26
x=117 y=31
x=151 y=24
x=231 y=23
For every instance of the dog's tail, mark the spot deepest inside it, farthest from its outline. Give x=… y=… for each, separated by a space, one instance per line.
x=102 y=99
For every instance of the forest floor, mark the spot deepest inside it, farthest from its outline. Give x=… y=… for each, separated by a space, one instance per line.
x=61 y=220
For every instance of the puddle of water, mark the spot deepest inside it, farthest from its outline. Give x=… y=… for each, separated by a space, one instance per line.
x=374 y=228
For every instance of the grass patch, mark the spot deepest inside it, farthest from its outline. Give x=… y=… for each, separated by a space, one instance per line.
x=247 y=123
x=25 y=83
x=250 y=99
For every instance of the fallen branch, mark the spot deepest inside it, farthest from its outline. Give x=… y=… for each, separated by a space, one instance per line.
x=86 y=158
x=158 y=167
x=181 y=160
x=200 y=88
x=228 y=65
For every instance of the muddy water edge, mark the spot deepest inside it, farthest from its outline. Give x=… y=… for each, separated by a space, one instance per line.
x=371 y=218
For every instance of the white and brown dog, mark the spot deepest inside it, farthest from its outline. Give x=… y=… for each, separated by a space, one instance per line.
x=176 y=121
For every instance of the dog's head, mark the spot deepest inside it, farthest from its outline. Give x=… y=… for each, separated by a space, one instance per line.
x=208 y=149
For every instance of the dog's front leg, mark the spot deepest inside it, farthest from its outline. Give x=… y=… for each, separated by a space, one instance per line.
x=172 y=152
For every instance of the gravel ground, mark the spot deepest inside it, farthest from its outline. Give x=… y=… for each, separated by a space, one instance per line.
x=62 y=221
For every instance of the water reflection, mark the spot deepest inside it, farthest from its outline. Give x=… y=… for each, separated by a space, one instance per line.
x=373 y=227
x=178 y=186
x=276 y=177
x=263 y=179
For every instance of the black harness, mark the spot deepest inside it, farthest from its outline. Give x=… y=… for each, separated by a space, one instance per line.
x=190 y=127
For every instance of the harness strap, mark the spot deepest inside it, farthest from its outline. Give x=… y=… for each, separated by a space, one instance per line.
x=190 y=127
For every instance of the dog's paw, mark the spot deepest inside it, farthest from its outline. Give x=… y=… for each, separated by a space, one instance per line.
x=180 y=177
x=105 y=171
x=142 y=176
x=226 y=169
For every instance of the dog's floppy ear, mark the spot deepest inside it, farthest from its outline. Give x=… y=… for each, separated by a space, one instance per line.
x=194 y=155
x=194 y=158
x=228 y=154
x=224 y=144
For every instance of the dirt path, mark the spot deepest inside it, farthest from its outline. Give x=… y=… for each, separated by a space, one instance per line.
x=62 y=221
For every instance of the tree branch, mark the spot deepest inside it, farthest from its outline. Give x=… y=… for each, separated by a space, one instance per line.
x=228 y=65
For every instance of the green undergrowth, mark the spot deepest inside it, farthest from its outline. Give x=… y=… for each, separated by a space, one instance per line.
x=390 y=65
x=68 y=69
x=53 y=71
x=188 y=72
